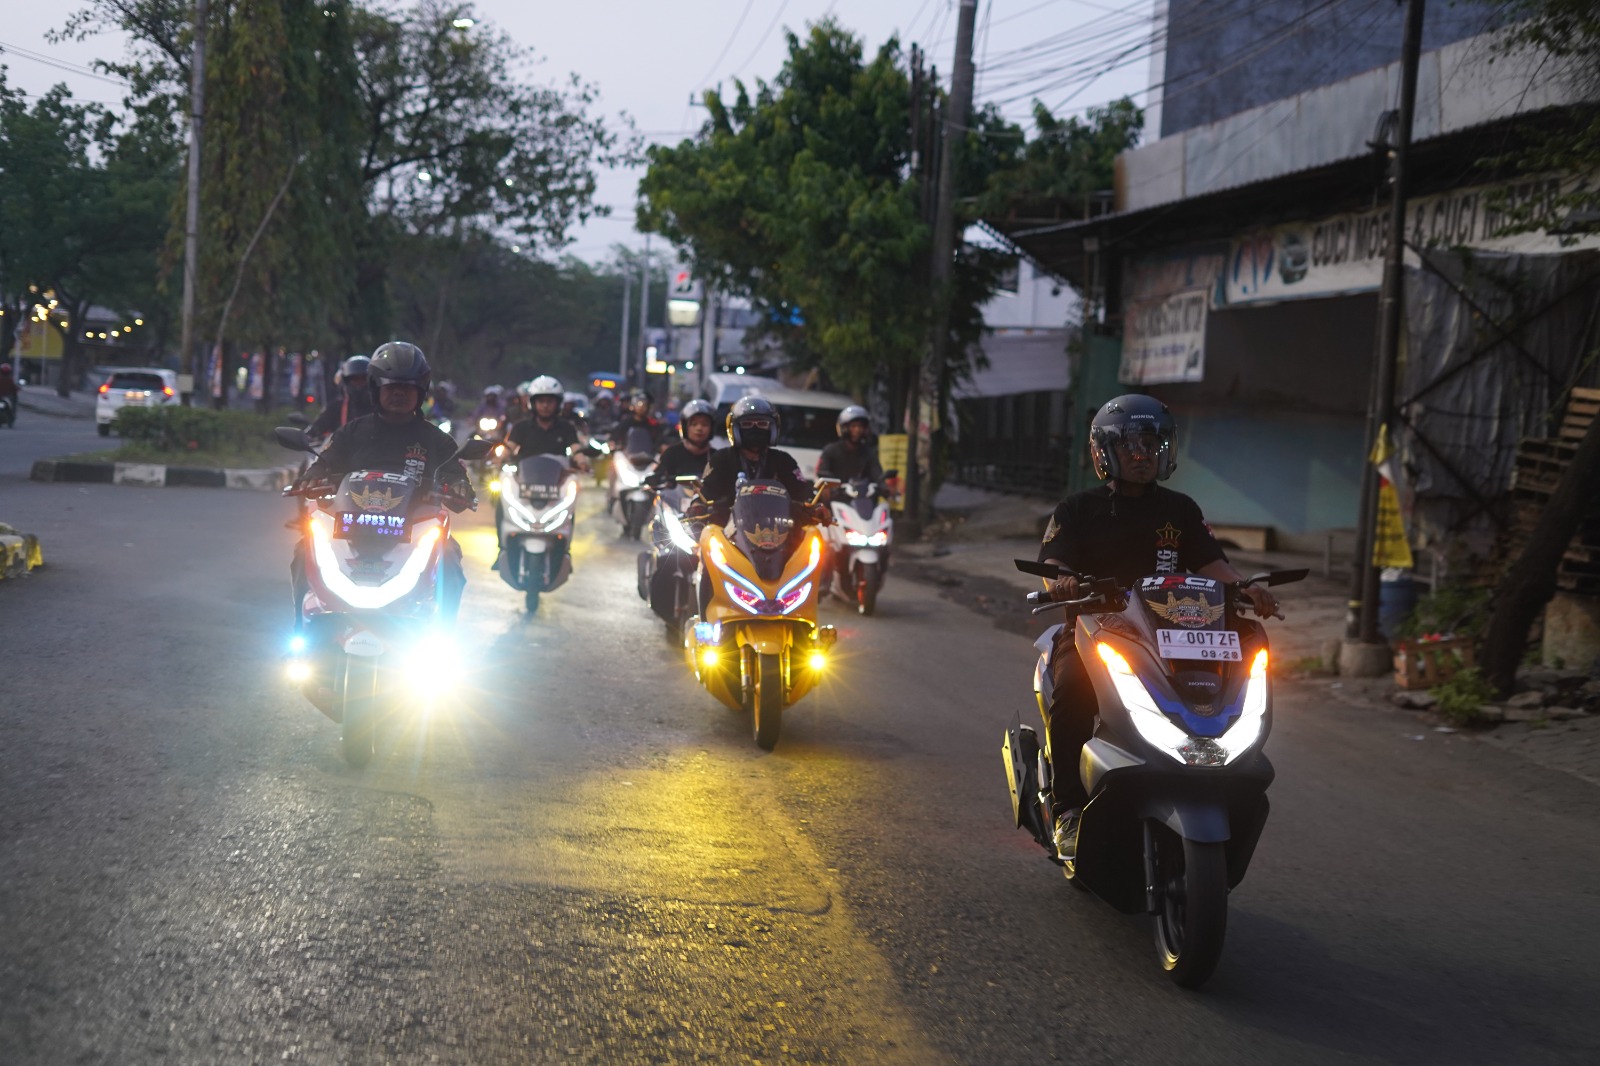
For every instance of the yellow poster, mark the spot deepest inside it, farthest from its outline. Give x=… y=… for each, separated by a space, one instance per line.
x=892 y=456
x=1391 y=547
x=38 y=340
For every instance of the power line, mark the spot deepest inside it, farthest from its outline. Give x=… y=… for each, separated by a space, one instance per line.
x=764 y=35
x=62 y=64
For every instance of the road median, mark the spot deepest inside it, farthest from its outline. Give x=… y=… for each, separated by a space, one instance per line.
x=159 y=475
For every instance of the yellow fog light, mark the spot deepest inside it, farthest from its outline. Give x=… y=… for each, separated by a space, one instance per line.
x=818 y=660
x=710 y=656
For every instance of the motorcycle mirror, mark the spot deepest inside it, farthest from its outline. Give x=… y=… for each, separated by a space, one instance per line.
x=1045 y=570
x=473 y=449
x=686 y=479
x=1285 y=577
x=294 y=438
x=827 y=481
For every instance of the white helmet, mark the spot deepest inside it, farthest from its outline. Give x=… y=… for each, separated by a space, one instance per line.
x=545 y=385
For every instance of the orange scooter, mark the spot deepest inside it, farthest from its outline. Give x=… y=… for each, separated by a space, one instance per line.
x=758 y=647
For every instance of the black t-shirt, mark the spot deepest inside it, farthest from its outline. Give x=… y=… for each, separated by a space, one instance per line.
x=349 y=407
x=722 y=477
x=416 y=447
x=1128 y=537
x=678 y=461
x=848 y=462
x=533 y=439
x=619 y=432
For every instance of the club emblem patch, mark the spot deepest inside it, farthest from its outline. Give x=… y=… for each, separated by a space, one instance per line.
x=767 y=538
x=381 y=501
x=1190 y=612
x=1167 y=536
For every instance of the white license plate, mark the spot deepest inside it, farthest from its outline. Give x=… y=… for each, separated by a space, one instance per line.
x=1213 y=644
x=136 y=398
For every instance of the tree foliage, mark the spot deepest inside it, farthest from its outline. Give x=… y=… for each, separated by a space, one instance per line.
x=336 y=132
x=1066 y=160
x=799 y=194
x=83 y=205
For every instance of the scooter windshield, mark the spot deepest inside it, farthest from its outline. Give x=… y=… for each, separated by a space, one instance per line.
x=763 y=524
x=374 y=504
x=864 y=502
x=640 y=443
x=540 y=476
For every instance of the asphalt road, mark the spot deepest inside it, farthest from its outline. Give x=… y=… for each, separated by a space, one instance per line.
x=588 y=860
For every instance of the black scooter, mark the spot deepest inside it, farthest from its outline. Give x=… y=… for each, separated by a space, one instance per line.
x=1175 y=772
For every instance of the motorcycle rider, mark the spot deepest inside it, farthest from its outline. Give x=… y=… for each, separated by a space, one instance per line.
x=397 y=439
x=603 y=413
x=491 y=406
x=852 y=457
x=544 y=432
x=1130 y=528
x=687 y=458
x=8 y=388
x=752 y=427
x=638 y=416
x=355 y=399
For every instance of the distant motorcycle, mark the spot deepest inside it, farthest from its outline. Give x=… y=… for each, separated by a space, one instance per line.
x=535 y=498
x=859 y=542
x=1175 y=772
x=371 y=642
x=667 y=569
x=8 y=412
x=631 y=493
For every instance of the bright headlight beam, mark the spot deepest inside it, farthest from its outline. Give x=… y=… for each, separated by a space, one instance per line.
x=368 y=597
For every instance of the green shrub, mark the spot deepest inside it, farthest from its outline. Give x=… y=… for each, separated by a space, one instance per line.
x=1462 y=697
x=1456 y=610
x=181 y=430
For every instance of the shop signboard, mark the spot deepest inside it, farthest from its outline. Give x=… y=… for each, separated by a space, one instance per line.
x=1343 y=254
x=1164 y=320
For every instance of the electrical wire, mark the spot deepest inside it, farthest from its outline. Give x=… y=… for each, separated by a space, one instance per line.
x=62 y=64
x=759 y=44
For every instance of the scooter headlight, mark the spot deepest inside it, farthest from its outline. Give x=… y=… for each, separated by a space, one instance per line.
x=1245 y=733
x=677 y=533
x=743 y=597
x=1147 y=718
x=794 y=598
x=488 y=425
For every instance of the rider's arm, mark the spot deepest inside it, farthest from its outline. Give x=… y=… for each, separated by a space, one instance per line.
x=335 y=460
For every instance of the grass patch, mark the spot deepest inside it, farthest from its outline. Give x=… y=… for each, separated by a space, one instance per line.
x=1461 y=699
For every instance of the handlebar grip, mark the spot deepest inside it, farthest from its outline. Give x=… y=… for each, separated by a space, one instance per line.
x=1037 y=598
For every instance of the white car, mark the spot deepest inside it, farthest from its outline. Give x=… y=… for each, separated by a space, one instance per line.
x=133 y=386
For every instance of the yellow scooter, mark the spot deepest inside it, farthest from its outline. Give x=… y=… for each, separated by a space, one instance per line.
x=758 y=647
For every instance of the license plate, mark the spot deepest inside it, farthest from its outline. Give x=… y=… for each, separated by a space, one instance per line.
x=1214 y=644
x=135 y=398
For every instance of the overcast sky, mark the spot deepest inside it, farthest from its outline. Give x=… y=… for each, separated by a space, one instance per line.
x=649 y=58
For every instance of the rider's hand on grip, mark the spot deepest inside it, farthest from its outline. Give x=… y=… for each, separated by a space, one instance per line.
x=1064 y=588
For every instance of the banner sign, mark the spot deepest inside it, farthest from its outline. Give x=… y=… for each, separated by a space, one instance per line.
x=1344 y=254
x=1164 y=321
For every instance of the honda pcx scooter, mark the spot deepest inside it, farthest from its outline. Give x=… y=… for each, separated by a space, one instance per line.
x=859 y=542
x=758 y=647
x=1175 y=772
x=631 y=494
x=667 y=569
x=535 y=499
x=370 y=641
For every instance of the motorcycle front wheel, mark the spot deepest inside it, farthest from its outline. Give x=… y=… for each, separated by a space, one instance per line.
x=360 y=719
x=1191 y=918
x=767 y=701
x=867 y=588
x=530 y=597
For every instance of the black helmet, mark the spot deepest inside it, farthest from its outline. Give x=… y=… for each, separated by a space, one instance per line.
x=696 y=408
x=399 y=363
x=1132 y=415
x=354 y=367
x=753 y=422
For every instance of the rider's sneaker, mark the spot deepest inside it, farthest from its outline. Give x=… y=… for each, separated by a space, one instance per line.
x=1067 y=835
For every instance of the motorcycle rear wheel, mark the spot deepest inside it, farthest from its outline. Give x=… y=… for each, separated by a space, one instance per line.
x=359 y=726
x=1191 y=919
x=867 y=589
x=766 y=704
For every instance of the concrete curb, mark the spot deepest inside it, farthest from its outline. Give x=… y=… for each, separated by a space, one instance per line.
x=155 y=475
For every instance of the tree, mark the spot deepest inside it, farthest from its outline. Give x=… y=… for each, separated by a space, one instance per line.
x=83 y=201
x=1067 y=160
x=801 y=197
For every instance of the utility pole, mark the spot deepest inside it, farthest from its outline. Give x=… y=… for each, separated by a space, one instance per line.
x=1364 y=583
x=956 y=117
x=191 y=228
x=627 y=293
x=708 y=330
x=644 y=311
